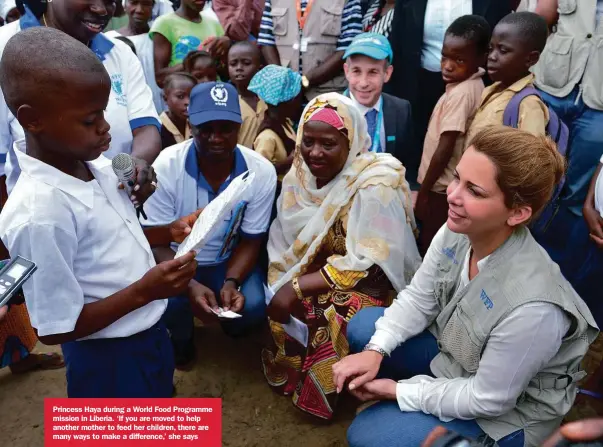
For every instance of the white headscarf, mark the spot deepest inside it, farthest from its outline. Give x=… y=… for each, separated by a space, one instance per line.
x=6 y=7
x=380 y=222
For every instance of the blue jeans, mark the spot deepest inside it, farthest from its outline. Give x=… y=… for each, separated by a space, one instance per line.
x=178 y=316
x=383 y=424
x=585 y=146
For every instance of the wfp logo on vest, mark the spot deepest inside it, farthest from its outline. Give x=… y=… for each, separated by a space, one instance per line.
x=486 y=300
x=117 y=85
x=219 y=94
x=449 y=252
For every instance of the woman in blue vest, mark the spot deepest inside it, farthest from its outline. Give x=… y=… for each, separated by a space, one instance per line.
x=488 y=337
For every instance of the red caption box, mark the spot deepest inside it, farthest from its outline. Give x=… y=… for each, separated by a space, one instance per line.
x=133 y=422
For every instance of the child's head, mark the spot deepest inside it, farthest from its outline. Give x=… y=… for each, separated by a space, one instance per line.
x=368 y=66
x=244 y=61
x=139 y=13
x=193 y=5
x=201 y=65
x=465 y=48
x=516 y=44
x=176 y=93
x=58 y=93
x=278 y=87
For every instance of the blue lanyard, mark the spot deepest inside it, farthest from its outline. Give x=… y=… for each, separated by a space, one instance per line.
x=376 y=138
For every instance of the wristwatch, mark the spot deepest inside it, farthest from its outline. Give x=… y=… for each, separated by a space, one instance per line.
x=235 y=281
x=374 y=347
x=305 y=81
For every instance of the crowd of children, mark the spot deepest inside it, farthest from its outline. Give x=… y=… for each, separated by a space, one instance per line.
x=242 y=115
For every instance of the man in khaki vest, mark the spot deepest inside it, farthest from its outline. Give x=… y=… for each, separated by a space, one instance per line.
x=310 y=36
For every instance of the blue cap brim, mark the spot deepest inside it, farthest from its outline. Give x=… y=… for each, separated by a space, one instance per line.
x=368 y=50
x=196 y=119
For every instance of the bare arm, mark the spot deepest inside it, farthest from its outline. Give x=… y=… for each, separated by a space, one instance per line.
x=327 y=70
x=162 y=54
x=271 y=55
x=548 y=10
x=439 y=161
x=243 y=258
x=147 y=143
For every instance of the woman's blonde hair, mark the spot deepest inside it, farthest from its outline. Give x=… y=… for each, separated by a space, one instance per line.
x=528 y=166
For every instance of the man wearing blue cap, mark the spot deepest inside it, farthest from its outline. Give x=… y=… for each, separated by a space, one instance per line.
x=368 y=65
x=191 y=175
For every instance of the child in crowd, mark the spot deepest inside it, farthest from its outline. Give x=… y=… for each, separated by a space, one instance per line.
x=367 y=68
x=178 y=33
x=244 y=61
x=464 y=52
x=97 y=290
x=174 y=121
x=201 y=66
x=516 y=44
x=280 y=88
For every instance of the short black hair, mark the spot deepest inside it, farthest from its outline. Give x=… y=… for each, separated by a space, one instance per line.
x=189 y=61
x=51 y=56
x=245 y=43
x=170 y=79
x=473 y=28
x=531 y=27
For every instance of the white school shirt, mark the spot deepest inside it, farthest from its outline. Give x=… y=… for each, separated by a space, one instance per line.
x=518 y=347
x=599 y=192
x=183 y=189
x=86 y=241
x=364 y=109
x=439 y=15
x=130 y=102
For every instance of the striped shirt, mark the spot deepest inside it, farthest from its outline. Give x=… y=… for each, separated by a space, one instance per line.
x=351 y=24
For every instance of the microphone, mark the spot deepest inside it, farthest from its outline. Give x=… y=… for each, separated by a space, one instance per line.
x=123 y=166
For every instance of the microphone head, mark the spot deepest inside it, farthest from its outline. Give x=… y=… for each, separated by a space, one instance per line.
x=123 y=166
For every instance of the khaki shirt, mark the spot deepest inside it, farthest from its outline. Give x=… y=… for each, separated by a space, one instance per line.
x=533 y=113
x=252 y=120
x=452 y=113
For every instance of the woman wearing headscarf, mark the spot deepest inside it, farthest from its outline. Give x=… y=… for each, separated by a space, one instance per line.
x=343 y=240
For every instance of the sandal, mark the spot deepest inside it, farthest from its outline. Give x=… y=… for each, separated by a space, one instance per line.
x=35 y=362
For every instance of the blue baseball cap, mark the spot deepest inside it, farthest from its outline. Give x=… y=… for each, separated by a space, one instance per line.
x=373 y=45
x=214 y=101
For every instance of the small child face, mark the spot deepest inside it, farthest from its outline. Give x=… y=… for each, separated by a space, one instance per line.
x=177 y=97
x=510 y=57
x=204 y=70
x=366 y=77
x=243 y=64
x=460 y=59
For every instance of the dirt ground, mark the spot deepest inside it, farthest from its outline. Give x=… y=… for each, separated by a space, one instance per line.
x=231 y=369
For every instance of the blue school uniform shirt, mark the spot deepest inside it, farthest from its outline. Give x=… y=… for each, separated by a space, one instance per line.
x=183 y=189
x=130 y=102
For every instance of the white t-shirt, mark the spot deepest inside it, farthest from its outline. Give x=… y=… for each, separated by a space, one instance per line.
x=183 y=189
x=438 y=17
x=144 y=51
x=86 y=241
x=599 y=192
x=130 y=102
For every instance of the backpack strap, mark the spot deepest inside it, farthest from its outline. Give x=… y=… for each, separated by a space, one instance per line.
x=511 y=114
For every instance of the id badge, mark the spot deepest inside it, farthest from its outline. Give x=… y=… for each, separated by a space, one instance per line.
x=304 y=44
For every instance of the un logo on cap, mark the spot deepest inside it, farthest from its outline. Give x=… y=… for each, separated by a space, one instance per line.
x=219 y=94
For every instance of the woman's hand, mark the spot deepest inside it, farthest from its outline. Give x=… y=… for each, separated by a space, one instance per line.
x=284 y=304
x=146 y=182
x=216 y=46
x=362 y=368
x=379 y=389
